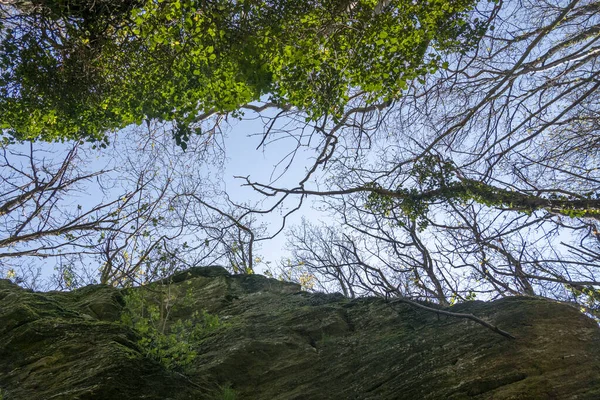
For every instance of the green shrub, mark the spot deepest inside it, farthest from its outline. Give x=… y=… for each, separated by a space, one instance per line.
x=227 y=393
x=171 y=343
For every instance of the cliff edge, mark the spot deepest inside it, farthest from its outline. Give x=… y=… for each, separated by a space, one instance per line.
x=268 y=340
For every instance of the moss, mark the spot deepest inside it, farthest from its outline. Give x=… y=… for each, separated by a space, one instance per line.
x=276 y=343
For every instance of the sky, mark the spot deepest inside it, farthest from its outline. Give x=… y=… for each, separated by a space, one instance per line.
x=243 y=157
x=263 y=165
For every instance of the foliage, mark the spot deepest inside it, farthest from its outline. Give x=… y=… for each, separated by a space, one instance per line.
x=227 y=393
x=294 y=272
x=483 y=181
x=437 y=181
x=75 y=70
x=456 y=165
x=170 y=342
x=589 y=296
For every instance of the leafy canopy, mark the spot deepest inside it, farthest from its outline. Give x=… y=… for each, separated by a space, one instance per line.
x=77 y=69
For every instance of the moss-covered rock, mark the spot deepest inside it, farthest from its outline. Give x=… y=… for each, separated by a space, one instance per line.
x=275 y=342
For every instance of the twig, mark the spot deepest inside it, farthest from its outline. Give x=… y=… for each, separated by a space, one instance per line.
x=186 y=378
x=453 y=314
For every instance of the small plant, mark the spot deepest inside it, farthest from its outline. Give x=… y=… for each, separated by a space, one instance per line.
x=227 y=393
x=326 y=339
x=171 y=343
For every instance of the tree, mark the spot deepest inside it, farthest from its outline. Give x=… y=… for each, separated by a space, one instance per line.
x=365 y=261
x=470 y=172
x=131 y=213
x=490 y=164
x=185 y=219
x=38 y=217
x=79 y=69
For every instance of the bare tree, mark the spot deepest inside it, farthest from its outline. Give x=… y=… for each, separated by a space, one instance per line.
x=151 y=210
x=484 y=173
x=40 y=213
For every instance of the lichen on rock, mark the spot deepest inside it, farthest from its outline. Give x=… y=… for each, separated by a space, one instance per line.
x=275 y=342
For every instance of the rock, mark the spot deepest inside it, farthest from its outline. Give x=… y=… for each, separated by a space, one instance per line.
x=210 y=272
x=275 y=342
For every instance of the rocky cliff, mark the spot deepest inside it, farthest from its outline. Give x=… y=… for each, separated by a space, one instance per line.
x=273 y=341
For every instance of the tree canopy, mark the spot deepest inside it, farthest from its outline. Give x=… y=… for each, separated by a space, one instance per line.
x=481 y=182
x=453 y=146
x=77 y=69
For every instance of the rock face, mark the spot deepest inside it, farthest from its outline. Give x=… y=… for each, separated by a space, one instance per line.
x=275 y=342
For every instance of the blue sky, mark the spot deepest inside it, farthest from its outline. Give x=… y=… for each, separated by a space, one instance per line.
x=240 y=140
x=265 y=164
